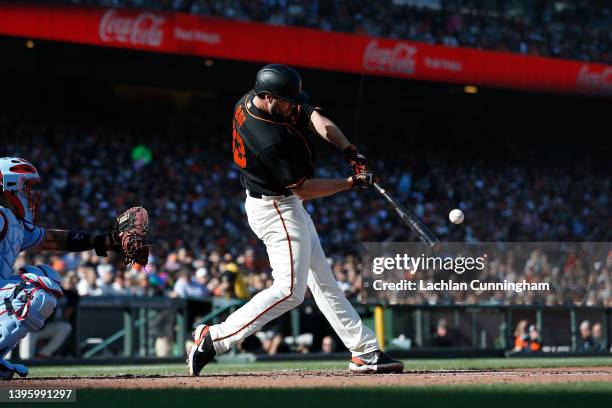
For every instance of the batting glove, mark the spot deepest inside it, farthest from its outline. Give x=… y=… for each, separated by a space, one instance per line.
x=364 y=180
x=357 y=161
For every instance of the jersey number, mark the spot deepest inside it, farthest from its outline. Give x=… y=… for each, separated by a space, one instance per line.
x=238 y=147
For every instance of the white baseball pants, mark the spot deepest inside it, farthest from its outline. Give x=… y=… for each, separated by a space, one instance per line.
x=297 y=260
x=56 y=331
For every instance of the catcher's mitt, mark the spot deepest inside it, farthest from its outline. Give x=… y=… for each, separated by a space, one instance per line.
x=129 y=236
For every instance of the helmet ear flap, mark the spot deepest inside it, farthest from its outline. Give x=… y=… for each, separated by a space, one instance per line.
x=12 y=198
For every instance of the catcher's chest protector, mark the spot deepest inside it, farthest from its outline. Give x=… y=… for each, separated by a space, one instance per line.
x=10 y=241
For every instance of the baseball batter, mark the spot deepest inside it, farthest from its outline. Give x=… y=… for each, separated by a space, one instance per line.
x=277 y=167
x=28 y=298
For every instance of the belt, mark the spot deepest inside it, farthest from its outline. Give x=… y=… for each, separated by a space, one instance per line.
x=260 y=196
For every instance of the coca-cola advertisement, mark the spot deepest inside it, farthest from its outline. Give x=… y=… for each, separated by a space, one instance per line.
x=398 y=58
x=597 y=81
x=198 y=35
x=142 y=29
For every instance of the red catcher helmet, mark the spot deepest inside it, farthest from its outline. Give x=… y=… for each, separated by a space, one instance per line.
x=17 y=177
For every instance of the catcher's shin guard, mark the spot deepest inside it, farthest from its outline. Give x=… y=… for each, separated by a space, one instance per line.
x=26 y=302
x=202 y=352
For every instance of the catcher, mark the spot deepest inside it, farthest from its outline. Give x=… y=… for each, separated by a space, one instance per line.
x=29 y=298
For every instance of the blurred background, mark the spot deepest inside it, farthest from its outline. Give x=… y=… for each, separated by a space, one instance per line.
x=110 y=127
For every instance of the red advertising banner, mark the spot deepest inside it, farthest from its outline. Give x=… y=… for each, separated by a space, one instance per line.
x=187 y=34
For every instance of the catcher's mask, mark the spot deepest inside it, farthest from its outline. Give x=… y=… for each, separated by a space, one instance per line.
x=282 y=82
x=18 y=177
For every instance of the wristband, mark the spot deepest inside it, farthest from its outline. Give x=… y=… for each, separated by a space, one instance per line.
x=78 y=241
x=99 y=244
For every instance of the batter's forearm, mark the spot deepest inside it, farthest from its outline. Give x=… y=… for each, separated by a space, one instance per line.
x=316 y=188
x=328 y=130
x=336 y=137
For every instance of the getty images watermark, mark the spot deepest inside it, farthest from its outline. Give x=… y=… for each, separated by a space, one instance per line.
x=480 y=272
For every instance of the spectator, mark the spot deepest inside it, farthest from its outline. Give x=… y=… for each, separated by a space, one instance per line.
x=88 y=285
x=188 y=285
x=271 y=336
x=234 y=282
x=107 y=279
x=199 y=286
x=534 y=340
x=519 y=333
x=142 y=285
x=181 y=286
x=440 y=337
x=328 y=345
x=526 y=338
x=586 y=343
x=120 y=286
x=599 y=340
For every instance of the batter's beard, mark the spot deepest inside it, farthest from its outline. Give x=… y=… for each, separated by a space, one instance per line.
x=279 y=114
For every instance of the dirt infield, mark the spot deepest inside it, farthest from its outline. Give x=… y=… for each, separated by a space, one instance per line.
x=324 y=378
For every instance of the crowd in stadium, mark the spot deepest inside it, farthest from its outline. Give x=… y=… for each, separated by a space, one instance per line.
x=571 y=277
x=553 y=28
x=203 y=245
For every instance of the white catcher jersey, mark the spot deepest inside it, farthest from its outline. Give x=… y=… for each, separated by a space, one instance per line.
x=15 y=236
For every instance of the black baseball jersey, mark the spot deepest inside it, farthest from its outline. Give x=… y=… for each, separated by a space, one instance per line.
x=273 y=156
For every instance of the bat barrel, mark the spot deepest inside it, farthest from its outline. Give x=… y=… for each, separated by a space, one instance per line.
x=422 y=232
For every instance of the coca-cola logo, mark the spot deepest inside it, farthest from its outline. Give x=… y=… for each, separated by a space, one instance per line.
x=600 y=82
x=142 y=29
x=398 y=59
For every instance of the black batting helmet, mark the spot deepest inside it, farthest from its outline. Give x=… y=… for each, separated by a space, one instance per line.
x=282 y=82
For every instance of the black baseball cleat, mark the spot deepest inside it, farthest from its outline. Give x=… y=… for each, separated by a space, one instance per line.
x=375 y=362
x=202 y=352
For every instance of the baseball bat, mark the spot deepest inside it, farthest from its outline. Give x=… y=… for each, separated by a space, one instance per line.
x=411 y=220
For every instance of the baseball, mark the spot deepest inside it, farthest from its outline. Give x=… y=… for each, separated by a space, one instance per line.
x=456 y=216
